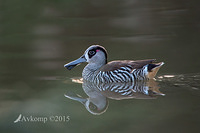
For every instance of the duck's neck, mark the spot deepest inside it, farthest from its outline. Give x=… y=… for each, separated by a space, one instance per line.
x=90 y=70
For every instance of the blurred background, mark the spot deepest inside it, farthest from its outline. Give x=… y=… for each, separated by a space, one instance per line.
x=37 y=37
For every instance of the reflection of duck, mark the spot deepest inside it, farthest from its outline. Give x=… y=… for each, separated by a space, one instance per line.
x=98 y=94
x=138 y=90
x=98 y=70
x=96 y=103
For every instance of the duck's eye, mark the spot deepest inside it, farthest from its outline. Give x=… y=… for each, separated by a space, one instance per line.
x=91 y=53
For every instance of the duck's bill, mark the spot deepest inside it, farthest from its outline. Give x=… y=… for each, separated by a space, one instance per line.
x=74 y=63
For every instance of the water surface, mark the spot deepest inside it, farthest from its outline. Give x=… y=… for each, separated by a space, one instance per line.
x=39 y=37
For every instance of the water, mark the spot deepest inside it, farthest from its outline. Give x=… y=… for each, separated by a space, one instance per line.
x=39 y=37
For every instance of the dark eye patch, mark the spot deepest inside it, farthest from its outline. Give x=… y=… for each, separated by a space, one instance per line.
x=91 y=53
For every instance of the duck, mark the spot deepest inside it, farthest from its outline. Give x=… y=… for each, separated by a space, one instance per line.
x=99 y=70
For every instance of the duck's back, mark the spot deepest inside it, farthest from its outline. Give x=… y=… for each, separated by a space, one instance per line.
x=127 y=71
x=114 y=65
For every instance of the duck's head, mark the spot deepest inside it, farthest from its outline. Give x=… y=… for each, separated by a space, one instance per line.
x=95 y=54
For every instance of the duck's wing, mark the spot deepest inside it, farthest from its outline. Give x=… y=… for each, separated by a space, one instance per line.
x=115 y=65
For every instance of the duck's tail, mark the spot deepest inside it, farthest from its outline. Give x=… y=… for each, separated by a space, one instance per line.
x=153 y=69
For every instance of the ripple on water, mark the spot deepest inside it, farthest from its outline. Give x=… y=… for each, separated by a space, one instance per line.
x=184 y=80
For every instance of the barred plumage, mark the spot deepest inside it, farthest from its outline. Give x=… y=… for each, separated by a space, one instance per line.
x=124 y=74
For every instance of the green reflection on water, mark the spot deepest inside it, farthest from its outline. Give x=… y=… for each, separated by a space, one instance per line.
x=39 y=37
